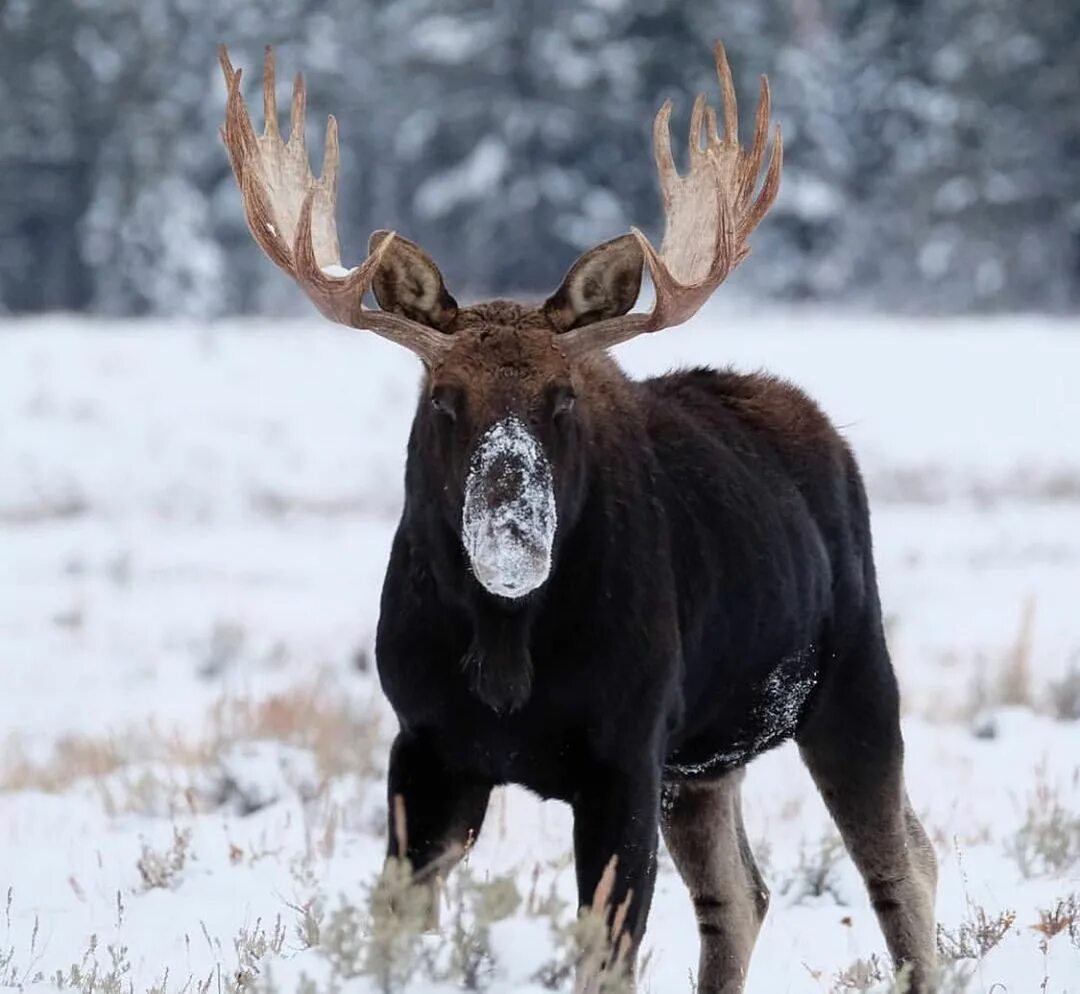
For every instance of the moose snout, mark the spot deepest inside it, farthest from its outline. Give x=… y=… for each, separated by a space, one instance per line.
x=508 y=521
x=508 y=562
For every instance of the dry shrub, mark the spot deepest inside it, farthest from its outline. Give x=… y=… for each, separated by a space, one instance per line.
x=1064 y=916
x=73 y=758
x=961 y=950
x=81 y=757
x=594 y=948
x=1063 y=696
x=97 y=973
x=864 y=975
x=162 y=869
x=1014 y=681
x=1004 y=679
x=253 y=945
x=815 y=874
x=318 y=716
x=382 y=941
x=476 y=906
x=975 y=936
x=1048 y=842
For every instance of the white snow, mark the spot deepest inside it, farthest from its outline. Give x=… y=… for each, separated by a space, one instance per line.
x=472 y=178
x=508 y=520
x=194 y=522
x=449 y=40
x=776 y=714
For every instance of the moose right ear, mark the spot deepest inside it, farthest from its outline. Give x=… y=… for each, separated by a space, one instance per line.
x=603 y=283
x=407 y=282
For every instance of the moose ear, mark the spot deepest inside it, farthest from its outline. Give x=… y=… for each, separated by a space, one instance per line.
x=409 y=283
x=603 y=283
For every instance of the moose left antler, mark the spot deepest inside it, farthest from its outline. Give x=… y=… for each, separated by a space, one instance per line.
x=291 y=214
x=709 y=214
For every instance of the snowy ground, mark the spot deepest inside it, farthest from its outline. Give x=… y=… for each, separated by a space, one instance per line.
x=193 y=528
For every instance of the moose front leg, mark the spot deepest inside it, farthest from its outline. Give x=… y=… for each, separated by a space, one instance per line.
x=616 y=817
x=434 y=813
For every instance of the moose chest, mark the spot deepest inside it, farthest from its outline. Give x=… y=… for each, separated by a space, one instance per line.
x=578 y=716
x=566 y=728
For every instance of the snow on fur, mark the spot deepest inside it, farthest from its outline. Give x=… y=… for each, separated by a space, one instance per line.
x=508 y=521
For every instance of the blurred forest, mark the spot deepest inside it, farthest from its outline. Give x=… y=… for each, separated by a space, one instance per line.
x=932 y=146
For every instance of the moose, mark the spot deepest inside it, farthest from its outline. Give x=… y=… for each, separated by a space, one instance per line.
x=613 y=592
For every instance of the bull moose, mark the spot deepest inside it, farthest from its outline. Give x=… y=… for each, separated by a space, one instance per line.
x=614 y=592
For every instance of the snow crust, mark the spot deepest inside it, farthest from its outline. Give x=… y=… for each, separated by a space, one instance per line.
x=509 y=517
x=776 y=714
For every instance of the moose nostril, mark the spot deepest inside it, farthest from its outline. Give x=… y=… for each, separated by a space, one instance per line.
x=506 y=483
x=514 y=531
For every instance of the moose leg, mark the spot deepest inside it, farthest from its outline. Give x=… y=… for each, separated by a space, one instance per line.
x=615 y=818
x=855 y=753
x=434 y=812
x=703 y=828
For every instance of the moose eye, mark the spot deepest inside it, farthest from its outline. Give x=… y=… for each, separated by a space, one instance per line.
x=562 y=402
x=445 y=401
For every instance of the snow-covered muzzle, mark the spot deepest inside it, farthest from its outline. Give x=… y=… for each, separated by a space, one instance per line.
x=508 y=522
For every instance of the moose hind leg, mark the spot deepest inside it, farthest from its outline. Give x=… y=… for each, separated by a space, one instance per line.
x=854 y=751
x=703 y=828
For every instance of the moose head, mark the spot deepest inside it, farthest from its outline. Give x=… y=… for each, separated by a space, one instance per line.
x=504 y=414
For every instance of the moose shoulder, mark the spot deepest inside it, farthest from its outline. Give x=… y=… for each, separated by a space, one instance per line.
x=616 y=593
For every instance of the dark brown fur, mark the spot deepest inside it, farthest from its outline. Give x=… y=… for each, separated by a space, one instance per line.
x=712 y=594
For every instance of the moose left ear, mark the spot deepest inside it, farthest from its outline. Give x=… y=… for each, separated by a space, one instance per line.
x=603 y=283
x=409 y=283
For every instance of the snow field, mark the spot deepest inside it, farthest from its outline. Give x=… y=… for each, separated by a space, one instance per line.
x=194 y=523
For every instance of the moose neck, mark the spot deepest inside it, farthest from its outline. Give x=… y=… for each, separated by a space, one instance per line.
x=498 y=663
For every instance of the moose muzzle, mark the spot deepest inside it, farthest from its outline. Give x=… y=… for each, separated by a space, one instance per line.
x=508 y=522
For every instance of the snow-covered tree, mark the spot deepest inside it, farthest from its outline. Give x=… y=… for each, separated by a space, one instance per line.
x=933 y=149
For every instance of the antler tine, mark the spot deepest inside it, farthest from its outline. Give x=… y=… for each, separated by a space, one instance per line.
x=761 y=140
x=270 y=113
x=665 y=163
x=697 y=122
x=708 y=214
x=727 y=94
x=298 y=112
x=769 y=189
x=710 y=125
x=331 y=157
x=291 y=213
x=232 y=130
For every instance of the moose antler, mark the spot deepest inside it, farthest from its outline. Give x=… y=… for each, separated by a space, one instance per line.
x=291 y=213
x=709 y=214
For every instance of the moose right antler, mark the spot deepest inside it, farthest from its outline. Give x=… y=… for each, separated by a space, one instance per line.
x=291 y=214
x=709 y=214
